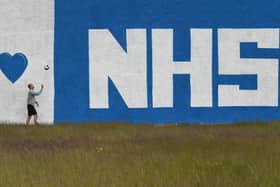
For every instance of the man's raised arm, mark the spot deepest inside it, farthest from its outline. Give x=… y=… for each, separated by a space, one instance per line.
x=39 y=92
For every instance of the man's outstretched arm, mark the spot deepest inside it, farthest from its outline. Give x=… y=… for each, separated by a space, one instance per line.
x=38 y=93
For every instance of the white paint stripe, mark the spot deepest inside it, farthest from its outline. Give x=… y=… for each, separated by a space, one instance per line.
x=27 y=26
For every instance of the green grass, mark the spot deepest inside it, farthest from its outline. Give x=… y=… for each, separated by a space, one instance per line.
x=139 y=155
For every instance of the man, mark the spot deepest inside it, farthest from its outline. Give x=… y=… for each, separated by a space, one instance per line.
x=31 y=101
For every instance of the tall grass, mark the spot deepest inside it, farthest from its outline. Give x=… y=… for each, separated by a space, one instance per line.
x=139 y=155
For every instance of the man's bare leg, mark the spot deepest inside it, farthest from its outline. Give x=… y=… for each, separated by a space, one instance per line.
x=28 y=120
x=35 y=120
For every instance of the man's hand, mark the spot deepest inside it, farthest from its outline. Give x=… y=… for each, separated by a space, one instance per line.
x=42 y=86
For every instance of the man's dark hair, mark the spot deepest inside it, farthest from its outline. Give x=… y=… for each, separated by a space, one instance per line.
x=29 y=86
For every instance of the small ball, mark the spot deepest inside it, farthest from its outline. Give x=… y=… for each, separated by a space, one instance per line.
x=46 y=67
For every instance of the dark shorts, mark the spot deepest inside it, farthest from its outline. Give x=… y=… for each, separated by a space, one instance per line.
x=31 y=110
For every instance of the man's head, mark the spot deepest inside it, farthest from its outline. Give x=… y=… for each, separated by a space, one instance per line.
x=30 y=86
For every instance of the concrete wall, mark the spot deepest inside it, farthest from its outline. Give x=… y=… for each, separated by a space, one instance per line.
x=141 y=61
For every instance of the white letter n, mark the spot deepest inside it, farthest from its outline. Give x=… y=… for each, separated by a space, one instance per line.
x=127 y=70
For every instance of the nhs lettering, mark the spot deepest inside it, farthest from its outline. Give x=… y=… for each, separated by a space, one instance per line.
x=127 y=68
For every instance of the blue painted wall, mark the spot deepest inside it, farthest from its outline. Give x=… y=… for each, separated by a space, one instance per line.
x=74 y=18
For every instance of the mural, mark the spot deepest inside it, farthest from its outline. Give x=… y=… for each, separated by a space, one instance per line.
x=141 y=61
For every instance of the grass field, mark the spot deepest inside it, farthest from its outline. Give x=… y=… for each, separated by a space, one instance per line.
x=138 y=155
